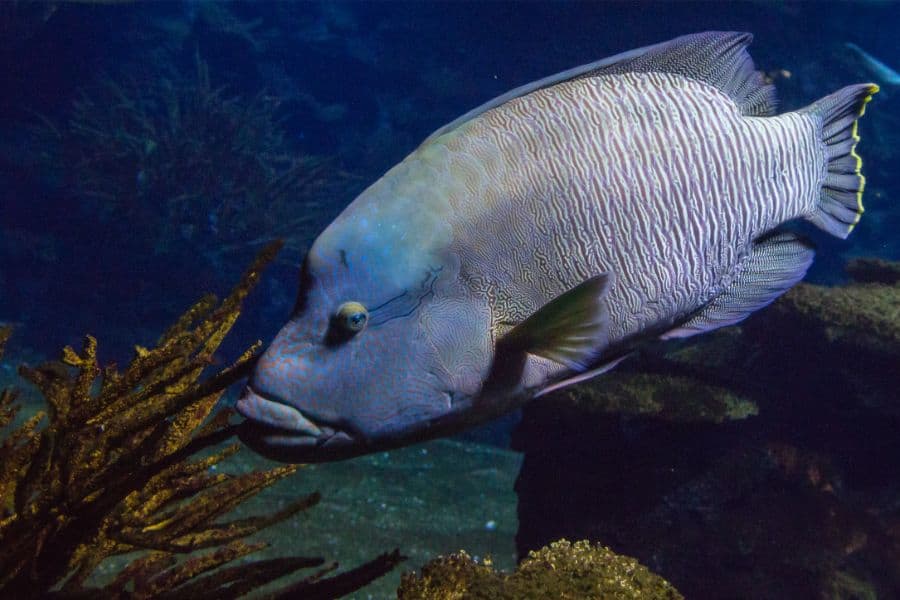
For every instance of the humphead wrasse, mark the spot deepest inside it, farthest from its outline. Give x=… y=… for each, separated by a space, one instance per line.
x=535 y=241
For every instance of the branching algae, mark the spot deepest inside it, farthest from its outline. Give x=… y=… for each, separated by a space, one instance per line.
x=112 y=467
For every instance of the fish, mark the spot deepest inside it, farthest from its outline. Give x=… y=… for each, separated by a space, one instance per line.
x=879 y=70
x=539 y=239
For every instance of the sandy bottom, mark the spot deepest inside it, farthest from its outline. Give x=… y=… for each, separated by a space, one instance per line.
x=426 y=500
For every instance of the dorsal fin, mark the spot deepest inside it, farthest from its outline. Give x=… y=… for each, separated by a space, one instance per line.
x=719 y=58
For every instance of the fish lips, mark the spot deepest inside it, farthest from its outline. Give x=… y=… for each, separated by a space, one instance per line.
x=281 y=432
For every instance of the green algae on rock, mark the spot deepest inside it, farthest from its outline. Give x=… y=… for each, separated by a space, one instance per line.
x=671 y=397
x=864 y=315
x=850 y=335
x=562 y=570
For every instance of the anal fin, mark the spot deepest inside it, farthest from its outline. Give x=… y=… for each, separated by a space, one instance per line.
x=776 y=263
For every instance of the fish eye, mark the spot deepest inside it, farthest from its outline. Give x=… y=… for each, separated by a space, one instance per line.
x=352 y=316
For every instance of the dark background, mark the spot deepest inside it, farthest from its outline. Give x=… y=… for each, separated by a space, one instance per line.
x=359 y=84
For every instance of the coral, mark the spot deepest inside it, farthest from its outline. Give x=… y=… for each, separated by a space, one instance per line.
x=190 y=164
x=113 y=467
x=560 y=570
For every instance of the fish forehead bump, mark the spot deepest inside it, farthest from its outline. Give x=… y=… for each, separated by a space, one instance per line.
x=398 y=226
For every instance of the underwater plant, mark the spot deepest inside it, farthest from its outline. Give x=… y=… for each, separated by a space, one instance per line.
x=561 y=570
x=191 y=165
x=123 y=461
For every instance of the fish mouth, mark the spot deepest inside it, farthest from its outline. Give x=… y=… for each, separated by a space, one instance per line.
x=282 y=432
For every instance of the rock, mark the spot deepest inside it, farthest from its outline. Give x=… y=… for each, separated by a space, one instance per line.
x=799 y=501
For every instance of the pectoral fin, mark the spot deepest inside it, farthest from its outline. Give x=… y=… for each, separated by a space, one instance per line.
x=571 y=329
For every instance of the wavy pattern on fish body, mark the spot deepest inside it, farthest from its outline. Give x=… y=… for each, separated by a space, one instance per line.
x=655 y=178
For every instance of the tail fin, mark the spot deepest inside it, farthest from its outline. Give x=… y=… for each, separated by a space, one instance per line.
x=840 y=203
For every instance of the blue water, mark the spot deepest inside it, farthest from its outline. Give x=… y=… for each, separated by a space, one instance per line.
x=355 y=86
x=390 y=73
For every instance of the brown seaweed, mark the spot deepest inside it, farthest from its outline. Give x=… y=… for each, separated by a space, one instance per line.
x=123 y=461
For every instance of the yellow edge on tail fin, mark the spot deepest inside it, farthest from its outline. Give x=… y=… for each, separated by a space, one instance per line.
x=874 y=89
